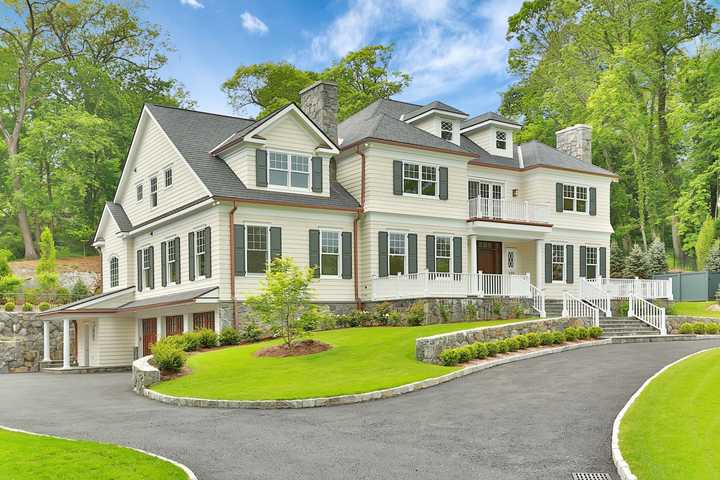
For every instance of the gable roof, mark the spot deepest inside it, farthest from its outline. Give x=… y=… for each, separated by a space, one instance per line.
x=536 y=153
x=485 y=117
x=121 y=218
x=195 y=134
x=436 y=105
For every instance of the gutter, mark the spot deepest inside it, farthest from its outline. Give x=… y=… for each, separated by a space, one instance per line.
x=231 y=216
x=356 y=229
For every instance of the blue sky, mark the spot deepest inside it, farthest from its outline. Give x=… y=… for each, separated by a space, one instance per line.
x=455 y=50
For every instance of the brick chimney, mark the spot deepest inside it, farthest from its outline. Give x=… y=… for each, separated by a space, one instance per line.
x=320 y=102
x=576 y=141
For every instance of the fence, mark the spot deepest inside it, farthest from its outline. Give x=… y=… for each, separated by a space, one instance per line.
x=691 y=286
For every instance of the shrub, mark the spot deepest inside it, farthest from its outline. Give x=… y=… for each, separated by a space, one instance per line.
x=533 y=339
x=686 y=328
x=251 y=332
x=381 y=312
x=503 y=346
x=168 y=357
x=79 y=290
x=9 y=306
x=699 y=328
x=445 y=312
x=9 y=284
x=358 y=318
x=711 y=328
x=496 y=307
x=517 y=311
x=62 y=295
x=27 y=307
x=492 y=348
x=571 y=334
x=582 y=333
x=558 y=338
x=595 y=332
x=229 y=336
x=466 y=353
x=43 y=306
x=328 y=322
x=207 y=338
x=395 y=318
x=522 y=341
x=623 y=308
x=415 y=315
x=480 y=350
x=471 y=312
x=450 y=357
x=188 y=342
x=513 y=344
x=546 y=338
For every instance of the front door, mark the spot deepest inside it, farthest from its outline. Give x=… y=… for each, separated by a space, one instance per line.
x=149 y=329
x=489 y=257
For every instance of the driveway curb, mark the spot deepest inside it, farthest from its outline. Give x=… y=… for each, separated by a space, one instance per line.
x=188 y=472
x=623 y=468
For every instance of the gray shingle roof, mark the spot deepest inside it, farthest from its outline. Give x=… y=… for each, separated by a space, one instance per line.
x=196 y=133
x=484 y=117
x=178 y=297
x=436 y=105
x=537 y=153
x=121 y=218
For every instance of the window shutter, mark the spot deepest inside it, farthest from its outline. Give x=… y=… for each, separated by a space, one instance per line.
x=559 y=197
x=275 y=243
x=593 y=201
x=397 y=177
x=412 y=253
x=163 y=264
x=347 y=254
x=457 y=254
x=548 y=263
x=583 y=261
x=603 y=262
x=240 y=250
x=569 y=264
x=151 y=283
x=261 y=168
x=430 y=253
x=208 y=253
x=191 y=256
x=443 y=183
x=139 y=270
x=382 y=254
x=315 y=252
x=317 y=174
x=177 y=259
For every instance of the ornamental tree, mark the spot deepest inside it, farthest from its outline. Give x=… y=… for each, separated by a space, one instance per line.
x=705 y=241
x=656 y=257
x=46 y=272
x=636 y=264
x=712 y=262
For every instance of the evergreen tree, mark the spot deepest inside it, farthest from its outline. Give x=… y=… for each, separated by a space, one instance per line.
x=705 y=241
x=636 y=264
x=617 y=260
x=656 y=257
x=46 y=273
x=712 y=262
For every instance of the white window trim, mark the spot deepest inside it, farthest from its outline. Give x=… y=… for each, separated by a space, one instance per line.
x=172 y=175
x=405 y=265
x=157 y=190
x=587 y=199
x=267 y=247
x=146 y=268
x=339 y=254
x=452 y=253
x=452 y=130
x=167 y=261
x=142 y=192
x=564 y=263
x=597 y=261
x=420 y=180
x=288 y=187
x=114 y=257
x=498 y=131
x=196 y=254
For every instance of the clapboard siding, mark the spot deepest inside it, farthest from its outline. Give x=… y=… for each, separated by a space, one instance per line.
x=114 y=247
x=349 y=173
x=114 y=341
x=485 y=137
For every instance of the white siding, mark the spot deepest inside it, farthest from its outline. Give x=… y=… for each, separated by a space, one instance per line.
x=114 y=341
x=115 y=246
x=485 y=138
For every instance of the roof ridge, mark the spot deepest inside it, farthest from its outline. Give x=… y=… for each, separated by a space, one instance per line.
x=401 y=101
x=200 y=111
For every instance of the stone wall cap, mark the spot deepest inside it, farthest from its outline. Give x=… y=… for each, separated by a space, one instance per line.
x=316 y=84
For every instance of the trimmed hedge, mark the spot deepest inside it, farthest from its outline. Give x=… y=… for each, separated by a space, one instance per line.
x=168 y=357
x=700 y=328
x=229 y=336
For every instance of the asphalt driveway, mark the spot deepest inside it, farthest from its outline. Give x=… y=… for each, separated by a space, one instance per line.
x=542 y=418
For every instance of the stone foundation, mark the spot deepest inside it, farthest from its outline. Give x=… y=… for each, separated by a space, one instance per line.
x=673 y=322
x=144 y=374
x=21 y=341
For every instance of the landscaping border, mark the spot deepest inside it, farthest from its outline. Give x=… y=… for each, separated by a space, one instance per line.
x=190 y=474
x=623 y=468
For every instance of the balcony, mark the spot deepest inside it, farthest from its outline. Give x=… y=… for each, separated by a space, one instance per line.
x=508 y=211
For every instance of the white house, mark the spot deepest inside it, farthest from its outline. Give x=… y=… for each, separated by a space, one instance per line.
x=399 y=201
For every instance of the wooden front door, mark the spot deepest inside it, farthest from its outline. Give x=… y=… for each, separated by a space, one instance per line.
x=489 y=257
x=149 y=328
x=173 y=325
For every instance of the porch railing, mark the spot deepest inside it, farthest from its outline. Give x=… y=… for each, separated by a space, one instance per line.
x=642 y=288
x=591 y=293
x=647 y=312
x=507 y=209
x=573 y=307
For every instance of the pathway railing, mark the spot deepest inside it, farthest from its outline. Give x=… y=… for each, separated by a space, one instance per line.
x=647 y=312
x=591 y=293
x=573 y=307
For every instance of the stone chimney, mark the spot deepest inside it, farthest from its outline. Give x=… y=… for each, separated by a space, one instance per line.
x=320 y=102
x=576 y=141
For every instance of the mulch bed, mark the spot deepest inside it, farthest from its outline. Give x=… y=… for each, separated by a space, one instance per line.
x=165 y=375
x=304 y=347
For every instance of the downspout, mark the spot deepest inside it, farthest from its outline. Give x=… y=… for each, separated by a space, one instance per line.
x=232 y=263
x=356 y=230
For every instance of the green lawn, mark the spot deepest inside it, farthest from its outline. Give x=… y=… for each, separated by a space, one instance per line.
x=361 y=360
x=695 y=309
x=32 y=457
x=673 y=429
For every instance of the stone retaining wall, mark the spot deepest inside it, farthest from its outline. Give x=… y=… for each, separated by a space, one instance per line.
x=673 y=322
x=144 y=374
x=21 y=341
x=428 y=349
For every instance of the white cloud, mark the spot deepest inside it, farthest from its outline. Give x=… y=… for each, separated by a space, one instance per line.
x=253 y=24
x=192 y=3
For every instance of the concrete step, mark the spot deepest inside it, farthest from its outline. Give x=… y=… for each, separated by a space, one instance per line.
x=628 y=334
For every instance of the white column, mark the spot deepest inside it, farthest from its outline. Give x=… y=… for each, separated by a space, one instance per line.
x=46 y=341
x=539 y=263
x=473 y=254
x=186 y=322
x=160 y=333
x=66 y=343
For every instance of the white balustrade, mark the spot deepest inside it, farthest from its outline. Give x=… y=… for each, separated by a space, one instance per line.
x=507 y=209
x=573 y=307
x=592 y=293
x=643 y=288
x=647 y=312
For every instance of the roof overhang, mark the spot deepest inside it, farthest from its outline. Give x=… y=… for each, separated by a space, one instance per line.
x=407 y=145
x=478 y=163
x=434 y=111
x=489 y=123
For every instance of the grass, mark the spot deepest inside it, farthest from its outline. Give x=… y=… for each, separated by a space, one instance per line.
x=694 y=309
x=672 y=430
x=26 y=457
x=361 y=360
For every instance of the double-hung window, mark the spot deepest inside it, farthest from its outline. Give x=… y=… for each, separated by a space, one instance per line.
x=446 y=130
x=139 y=192
x=172 y=261
x=200 y=253
x=114 y=272
x=591 y=262
x=575 y=198
x=420 y=179
x=558 y=263
x=397 y=253
x=500 y=139
x=153 y=192
x=147 y=266
x=168 y=177
x=288 y=170
x=329 y=253
x=258 y=251
x=443 y=254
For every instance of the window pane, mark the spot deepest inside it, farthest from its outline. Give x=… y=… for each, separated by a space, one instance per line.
x=329 y=242
x=569 y=191
x=329 y=264
x=568 y=204
x=442 y=265
x=411 y=171
x=429 y=173
x=168 y=177
x=278 y=161
x=411 y=186
x=582 y=206
x=428 y=188
x=591 y=271
x=442 y=246
x=397 y=265
x=396 y=244
x=446 y=135
x=299 y=180
x=256 y=261
x=300 y=163
x=557 y=272
x=278 y=177
x=256 y=249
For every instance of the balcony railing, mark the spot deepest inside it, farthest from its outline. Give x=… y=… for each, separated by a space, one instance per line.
x=508 y=210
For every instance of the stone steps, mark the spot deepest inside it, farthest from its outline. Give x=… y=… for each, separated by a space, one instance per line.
x=625 y=327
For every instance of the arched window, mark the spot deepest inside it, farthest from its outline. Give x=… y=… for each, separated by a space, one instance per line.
x=114 y=272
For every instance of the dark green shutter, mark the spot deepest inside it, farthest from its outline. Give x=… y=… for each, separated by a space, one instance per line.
x=177 y=260
x=347 y=254
x=603 y=262
x=457 y=254
x=208 y=253
x=151 y=283
x=593 y=201
x=397 y=177
x=275 y=243
x=315 y=252
x=443 y=183
x=583 y=261
x=412 y=253
x=382 y=254
x=239 y=250
x=317 y=174
x=261 y=179
x=191 y=256
x=430 y=253
x=559 y=197
x=163 y=264
x=139 y=270
x=569 y=264
x=548 y=263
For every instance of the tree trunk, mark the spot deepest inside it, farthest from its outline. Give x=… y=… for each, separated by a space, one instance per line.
x=30 y=252
x=677 y=248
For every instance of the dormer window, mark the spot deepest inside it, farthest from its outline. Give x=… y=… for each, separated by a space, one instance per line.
x=501 y=139
x=289 y=170
x=446 y=130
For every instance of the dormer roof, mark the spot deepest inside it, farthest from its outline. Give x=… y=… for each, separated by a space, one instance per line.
x=431 y=107
x=487 y=117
